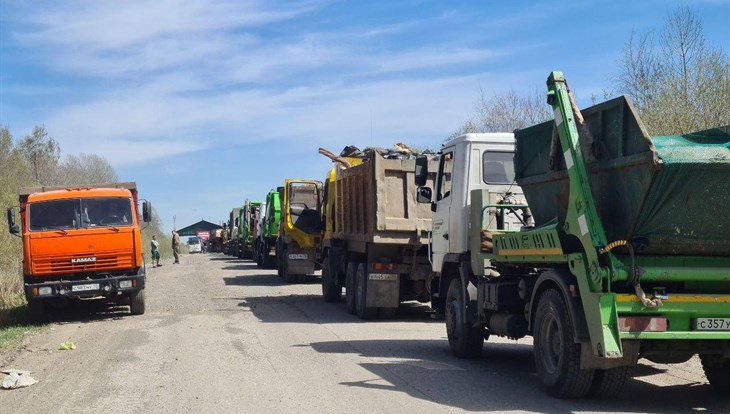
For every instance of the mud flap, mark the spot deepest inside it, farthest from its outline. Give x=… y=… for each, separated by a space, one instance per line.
x=383 y=290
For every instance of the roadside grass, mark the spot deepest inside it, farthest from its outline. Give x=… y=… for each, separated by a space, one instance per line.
x=14 y=321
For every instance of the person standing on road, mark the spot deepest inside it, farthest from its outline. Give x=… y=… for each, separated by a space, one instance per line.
x=155 y=251
x=176 y=246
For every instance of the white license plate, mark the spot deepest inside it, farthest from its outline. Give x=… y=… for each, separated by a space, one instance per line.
x=298 y=256
x=84 y=288
x=712 y=324
x=383 y=276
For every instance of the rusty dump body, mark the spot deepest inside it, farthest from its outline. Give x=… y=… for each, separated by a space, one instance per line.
x=374 y=202
x=72 y=236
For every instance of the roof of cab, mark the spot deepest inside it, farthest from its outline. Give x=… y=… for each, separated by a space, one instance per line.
x=78 y=193
x=489 y=137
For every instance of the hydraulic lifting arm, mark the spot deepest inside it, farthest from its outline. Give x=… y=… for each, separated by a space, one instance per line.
x=583 y=222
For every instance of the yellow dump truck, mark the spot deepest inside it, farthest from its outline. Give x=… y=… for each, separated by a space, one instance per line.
x=300 y=229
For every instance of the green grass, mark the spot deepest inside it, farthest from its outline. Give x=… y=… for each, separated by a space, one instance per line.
x=14 y=323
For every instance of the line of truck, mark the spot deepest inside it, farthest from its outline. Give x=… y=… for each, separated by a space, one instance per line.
x=604 y=244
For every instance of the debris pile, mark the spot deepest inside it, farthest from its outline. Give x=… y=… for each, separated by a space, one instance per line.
x=16 y=378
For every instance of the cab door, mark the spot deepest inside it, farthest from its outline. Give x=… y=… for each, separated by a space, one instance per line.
x=440 y=218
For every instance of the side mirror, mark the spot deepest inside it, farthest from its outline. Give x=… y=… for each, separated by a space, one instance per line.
x=14 y=229
x=421 y=171
x=146 y=211
x=423 y=195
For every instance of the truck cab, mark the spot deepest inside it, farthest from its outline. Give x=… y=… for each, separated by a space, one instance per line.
x=469 y=162
x=81 y=243
x=300 y=228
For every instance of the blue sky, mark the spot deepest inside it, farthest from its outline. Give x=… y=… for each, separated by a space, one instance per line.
x=206 y=103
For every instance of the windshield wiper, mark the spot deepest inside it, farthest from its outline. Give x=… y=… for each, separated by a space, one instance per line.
x=35 y=226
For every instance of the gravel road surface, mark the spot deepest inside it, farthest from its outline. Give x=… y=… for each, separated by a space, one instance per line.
x=221 y=335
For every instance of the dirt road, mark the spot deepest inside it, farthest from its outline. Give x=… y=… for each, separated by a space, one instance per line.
x=221 y=335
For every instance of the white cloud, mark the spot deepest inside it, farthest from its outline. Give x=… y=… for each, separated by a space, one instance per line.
x=180 y=76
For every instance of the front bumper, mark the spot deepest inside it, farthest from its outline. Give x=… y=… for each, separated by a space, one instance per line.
x=88 y=288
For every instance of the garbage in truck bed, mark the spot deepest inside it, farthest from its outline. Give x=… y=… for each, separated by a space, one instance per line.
x=400 y=151
x=667 y=194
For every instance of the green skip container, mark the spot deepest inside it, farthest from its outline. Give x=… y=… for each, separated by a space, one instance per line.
x=669 y=195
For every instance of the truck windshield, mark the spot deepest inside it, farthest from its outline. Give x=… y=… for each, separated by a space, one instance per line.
x=57 y=214
x=76 y=213
x=193 y=240
x=107 y=211
x=499 y=167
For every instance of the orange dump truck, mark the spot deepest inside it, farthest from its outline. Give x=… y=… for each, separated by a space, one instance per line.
x=81 y=243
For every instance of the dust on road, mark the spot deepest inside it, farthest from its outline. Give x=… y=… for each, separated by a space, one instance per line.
x=221 y=335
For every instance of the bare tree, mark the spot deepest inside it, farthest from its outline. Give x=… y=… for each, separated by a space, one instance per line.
x=85 y=169
x=678 y=83
x=505 y=112
x=41 y=152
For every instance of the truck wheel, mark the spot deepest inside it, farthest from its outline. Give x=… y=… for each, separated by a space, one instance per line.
x=465 y=341
x=267 y=262
x=607 y=383
x=350 y=276
x=557 y=356
x=136 y=303
x=280 y=260
x=36 y=310
x=361 y=294
x=717 y=372
x=331 y=291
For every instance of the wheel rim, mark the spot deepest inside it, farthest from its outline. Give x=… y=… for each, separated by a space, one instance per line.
x=551 y=340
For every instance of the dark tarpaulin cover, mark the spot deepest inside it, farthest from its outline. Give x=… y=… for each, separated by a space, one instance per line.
x=668 y=194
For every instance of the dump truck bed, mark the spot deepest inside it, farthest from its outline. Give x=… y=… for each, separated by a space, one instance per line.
x=375 y=202
x=668 y=195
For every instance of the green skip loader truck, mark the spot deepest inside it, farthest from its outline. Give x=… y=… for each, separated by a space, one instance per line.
x=628 y=257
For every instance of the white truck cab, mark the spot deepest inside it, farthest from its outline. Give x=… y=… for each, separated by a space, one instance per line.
x=466 y=163
x=469 y=162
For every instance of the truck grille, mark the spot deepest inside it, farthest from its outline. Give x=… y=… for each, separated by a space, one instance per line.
x=64 y=265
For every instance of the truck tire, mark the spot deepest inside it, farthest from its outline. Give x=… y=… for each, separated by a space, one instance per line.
x=607 y=383
x=717 y=373
x=557 y=356
x=36 y=310
x=279 y=260
x=331 y=291
x=267 y=261
x=136 y=303
x=361 y=294
x=350 y=276
x=465 y=341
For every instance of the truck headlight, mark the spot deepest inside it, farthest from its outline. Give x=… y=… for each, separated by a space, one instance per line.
x=125 y=284
x=43 y=291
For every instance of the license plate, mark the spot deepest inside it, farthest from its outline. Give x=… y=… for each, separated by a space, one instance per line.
x=298 y=256
x=712 y=324
x=383 y=276
x=84 y=288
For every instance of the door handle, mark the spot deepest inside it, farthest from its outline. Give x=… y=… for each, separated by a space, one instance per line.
x=446 y=236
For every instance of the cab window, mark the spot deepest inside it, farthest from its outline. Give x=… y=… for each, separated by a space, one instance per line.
x=446 y=168
x=498 y=167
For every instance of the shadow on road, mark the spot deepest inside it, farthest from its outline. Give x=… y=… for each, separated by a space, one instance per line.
x=311 y=308
x=237 y=265
x=503 y=379
x=81 y=311
x=269 y=279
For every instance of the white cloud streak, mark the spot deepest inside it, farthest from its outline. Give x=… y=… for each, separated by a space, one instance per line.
x=181 y=76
